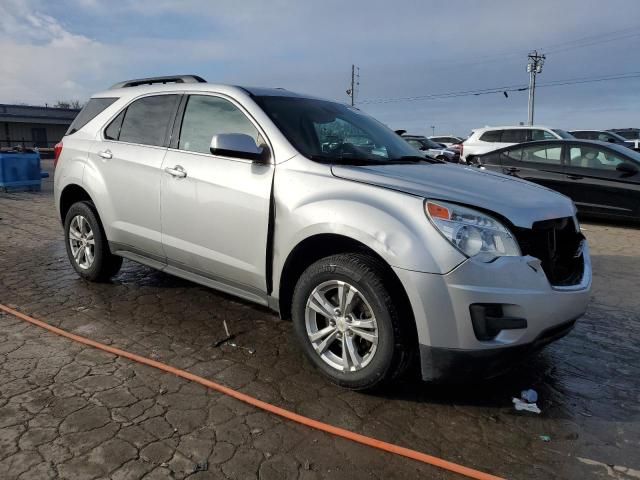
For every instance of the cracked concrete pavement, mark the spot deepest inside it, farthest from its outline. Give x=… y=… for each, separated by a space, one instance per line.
x=69 y=411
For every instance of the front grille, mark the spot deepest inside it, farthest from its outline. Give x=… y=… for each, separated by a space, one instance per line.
x=558 y=247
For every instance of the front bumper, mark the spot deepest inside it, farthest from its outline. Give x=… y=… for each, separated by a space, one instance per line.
x=441 y=305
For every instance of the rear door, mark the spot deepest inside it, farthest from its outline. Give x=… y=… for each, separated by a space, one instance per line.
x=539 y=163
x=595 y=184
x=128 y=162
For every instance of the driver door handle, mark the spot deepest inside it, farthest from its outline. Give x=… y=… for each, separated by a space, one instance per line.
x=574 y=177
x=176 y=171
x=511 y=170
x=105 y=154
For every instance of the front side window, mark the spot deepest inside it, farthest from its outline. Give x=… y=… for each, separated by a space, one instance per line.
x=415 y=143
x=335 y=133
x=206 y=116
x=589 y=157
x=540 y=154
x=146 y=121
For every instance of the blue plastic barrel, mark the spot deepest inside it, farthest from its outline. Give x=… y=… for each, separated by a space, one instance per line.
x=20 y=170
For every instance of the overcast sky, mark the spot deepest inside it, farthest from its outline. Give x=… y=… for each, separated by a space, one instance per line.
x=69 y=49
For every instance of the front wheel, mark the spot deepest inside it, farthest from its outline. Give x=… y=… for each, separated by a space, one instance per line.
x=87 y=246
x=348 y=323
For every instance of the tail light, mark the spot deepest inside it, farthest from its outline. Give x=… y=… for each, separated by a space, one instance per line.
x=57 y=150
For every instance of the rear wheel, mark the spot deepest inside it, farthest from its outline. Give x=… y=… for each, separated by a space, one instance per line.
x=87 y=246
x=348 y=323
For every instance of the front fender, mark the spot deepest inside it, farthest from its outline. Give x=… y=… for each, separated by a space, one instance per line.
x=391 y=223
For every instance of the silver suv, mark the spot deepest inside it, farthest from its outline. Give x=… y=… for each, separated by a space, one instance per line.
x=378 y=255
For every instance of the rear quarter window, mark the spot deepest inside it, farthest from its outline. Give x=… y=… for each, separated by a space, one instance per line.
x=91 y=110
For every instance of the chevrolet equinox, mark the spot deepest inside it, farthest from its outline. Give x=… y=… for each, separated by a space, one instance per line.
x=378 y=255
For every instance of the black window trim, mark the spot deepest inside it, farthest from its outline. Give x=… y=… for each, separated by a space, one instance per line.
x=177 y=126
x=167 y=136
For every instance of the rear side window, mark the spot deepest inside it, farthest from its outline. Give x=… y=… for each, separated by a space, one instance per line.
x=146 y=121
x=542 y=135
x=91 y=110
x=491 y=136
x=542 y=154
x=584 y=135
x=514 y=136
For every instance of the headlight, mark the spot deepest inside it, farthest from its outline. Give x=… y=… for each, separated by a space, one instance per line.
x=472 y=232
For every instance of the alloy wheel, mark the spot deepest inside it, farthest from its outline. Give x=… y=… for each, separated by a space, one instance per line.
x=82 y=242
x=341 y=326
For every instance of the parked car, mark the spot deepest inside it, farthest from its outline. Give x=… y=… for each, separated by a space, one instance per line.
x=487 y=139
x=446 y=140
x=433 y=149
x=600 y=135
x=601 y=178
x=377 y=255
x=631 y=135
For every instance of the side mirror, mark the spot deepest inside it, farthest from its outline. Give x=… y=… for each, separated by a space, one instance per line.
x=627 y=168
x=238 y=145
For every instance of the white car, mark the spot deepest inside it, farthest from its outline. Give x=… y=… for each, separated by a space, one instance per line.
x=487 y=139
x=446 y=140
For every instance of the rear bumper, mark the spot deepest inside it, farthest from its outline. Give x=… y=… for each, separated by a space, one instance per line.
x=449 y=343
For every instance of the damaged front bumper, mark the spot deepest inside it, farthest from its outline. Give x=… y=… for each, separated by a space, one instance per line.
x=480 y=318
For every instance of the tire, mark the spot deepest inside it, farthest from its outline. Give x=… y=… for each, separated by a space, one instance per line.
x=367 y=279
x=82 y=218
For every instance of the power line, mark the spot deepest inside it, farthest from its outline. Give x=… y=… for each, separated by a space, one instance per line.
x=504 y=88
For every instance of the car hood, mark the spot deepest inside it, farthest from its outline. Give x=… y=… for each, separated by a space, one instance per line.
x=521 y=202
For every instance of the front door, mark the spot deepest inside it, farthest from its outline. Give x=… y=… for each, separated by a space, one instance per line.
x=597 y=187
x=215 y=211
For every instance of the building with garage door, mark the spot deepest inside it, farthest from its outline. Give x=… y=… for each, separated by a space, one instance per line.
x=29 y=127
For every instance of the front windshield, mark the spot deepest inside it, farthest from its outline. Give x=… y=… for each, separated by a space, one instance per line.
x=630 y=135
x=626 y=151
x=335 y=133
x=563 y=134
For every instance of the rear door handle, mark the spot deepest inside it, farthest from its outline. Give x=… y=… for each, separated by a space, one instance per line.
x=574 y=177
x=510 y=169
x=176 y=171
x=105 y=154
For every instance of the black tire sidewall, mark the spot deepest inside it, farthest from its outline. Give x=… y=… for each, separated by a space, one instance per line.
x=101 y=249
x=333 y=268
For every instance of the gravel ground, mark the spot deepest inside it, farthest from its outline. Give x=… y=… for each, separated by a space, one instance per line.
x=68 y=411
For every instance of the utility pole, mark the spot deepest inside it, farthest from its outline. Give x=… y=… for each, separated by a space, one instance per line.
x=534 y=67
x=355 y=83
x=433 y=130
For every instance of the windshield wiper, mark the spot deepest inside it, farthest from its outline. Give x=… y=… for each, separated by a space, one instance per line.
x=416 y=159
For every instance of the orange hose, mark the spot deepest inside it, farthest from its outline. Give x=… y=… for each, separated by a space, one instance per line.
x=325 y=427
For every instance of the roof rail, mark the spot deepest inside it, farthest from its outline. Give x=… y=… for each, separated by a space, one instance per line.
x=153 y=80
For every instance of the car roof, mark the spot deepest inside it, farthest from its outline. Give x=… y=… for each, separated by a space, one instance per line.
x=561 y=141
x=138 y=90
x=586 y=130
x=511 y=127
